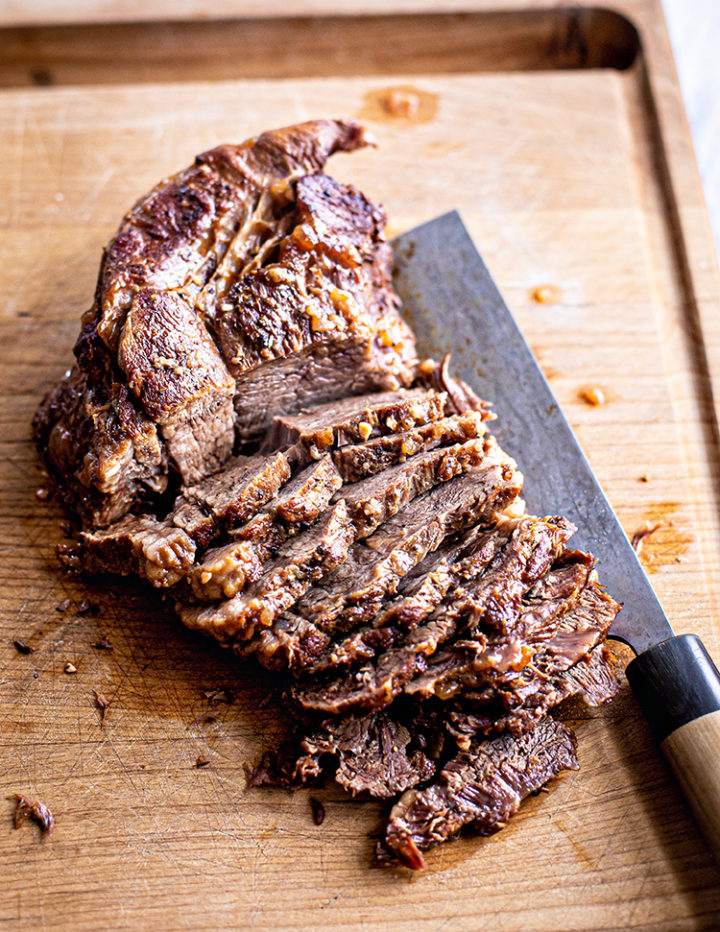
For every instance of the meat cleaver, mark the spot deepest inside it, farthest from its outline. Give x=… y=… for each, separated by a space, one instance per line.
x=454 y=306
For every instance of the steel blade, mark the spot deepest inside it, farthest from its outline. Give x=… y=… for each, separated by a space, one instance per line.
x=452 y=303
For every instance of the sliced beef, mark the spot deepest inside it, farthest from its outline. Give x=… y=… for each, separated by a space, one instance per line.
x=163 y=550
x=358 y=461
x=377 y=755
x=230 y=497
x=374 y=755
x=228 y=569
x=371 y=502
x=328 y=287
x=479 y=789
x=494 y=600
x=419 y=593
x=405 y=665
x=519 y=701
x=593 y=679
x=494 y=658
x=225 y=571
x=308 y=494
x=311 y=433
x=353 y=593
x=490 y=551
x=299 y=563
x=135 y=545
x=285 y=644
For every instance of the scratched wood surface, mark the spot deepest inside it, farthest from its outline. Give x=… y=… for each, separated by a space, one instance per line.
x=564 y=186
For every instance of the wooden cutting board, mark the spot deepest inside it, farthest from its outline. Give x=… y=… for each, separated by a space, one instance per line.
x=578 y=186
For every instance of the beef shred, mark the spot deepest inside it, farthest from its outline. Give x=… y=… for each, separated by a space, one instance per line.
x=248 y=428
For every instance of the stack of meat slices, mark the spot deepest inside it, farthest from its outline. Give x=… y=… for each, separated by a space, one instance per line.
x=376 y=550
x=247 y=428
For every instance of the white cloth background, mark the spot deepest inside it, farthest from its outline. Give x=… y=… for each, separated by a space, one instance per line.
x=694 y=27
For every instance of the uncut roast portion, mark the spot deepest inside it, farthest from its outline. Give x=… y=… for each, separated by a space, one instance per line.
x=247 y=428
x=247 y=285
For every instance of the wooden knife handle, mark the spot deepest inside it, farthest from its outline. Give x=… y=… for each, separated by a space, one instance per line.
x=678 y=688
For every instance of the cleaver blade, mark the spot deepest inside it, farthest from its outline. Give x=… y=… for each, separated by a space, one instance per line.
x=453 y=305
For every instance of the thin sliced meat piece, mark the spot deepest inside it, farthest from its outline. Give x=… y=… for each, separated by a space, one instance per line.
x=375 y=566
x=314 y=432
x=360 y=460
x=224 y=571
x=521 y=700
x=480 y=789
x=371 y=502
x=135 y=545
x=593 y=679
x=230 y=497
x=376 y=755
x=299 y=563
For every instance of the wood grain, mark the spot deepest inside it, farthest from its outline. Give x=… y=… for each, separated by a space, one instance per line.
x=693 y=752
x=579 y=180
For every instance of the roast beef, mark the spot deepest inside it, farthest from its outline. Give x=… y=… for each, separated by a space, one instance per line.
x=224 y=571
x=358 y=461
x=247 y=425
x=163 y=550
x=311 y=433
x=177 y=361
x=301 y=561
x=479 y=789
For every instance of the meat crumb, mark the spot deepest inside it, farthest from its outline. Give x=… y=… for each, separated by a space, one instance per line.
x=638 y=537
x=22 y=647
x=103 y=705
x=35 y=810
x=102 y=644
x=318 y=811
x=86 y=607
x=201 y=761
x=593 y=396
x=69 y=668
x=217 y=695
x=204 y=718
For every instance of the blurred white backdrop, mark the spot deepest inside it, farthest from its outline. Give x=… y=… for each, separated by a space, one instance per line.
x=694 y=27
